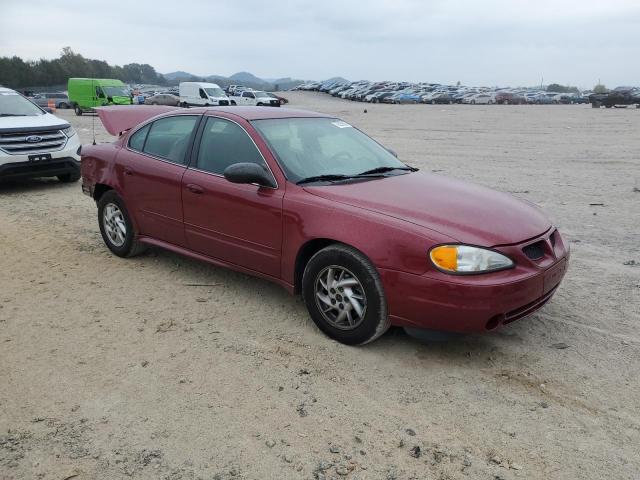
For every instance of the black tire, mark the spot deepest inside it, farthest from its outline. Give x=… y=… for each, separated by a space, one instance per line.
x=131 y=247
x=260 y=104
x=69 y=177
x=77 y=110
x=375 y=321
x=63 y=105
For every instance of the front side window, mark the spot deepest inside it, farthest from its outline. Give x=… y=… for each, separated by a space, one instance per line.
x=215 y=92
x=203 y=94
x=116 y=91
x=224 y=143
x=308 y=147
x=169 y=137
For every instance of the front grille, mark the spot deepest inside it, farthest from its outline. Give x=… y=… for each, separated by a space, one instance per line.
x=535 y=251
x=39 y=141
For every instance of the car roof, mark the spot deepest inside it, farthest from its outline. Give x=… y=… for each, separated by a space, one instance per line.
x=261 y=113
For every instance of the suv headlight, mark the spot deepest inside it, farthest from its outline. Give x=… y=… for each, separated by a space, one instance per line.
x=69 y=131
x=464 y=259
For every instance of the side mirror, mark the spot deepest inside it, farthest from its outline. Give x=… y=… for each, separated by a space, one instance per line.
x=249 y=173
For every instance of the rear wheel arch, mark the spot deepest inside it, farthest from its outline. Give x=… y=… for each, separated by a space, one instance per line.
x=99 y=190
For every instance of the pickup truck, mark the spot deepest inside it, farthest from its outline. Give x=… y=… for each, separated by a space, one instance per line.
x=254 y=97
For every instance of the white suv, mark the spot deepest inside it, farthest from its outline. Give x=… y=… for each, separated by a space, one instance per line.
x=34 y=143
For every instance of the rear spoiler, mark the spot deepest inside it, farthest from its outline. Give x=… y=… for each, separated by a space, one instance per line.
x=120 y=118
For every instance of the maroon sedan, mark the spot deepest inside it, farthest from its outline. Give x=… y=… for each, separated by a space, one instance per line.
x=315 y=205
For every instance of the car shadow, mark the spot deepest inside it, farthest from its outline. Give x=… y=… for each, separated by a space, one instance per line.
x=32 y=185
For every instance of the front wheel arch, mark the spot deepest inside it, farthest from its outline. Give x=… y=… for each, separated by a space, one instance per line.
x=305 y=252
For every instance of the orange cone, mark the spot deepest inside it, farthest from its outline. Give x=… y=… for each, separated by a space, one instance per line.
x=51 y=104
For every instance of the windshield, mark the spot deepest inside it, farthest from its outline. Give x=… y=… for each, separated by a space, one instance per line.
x=215 y=92
x=115 y=91
x=308 y=147
x=13 y=104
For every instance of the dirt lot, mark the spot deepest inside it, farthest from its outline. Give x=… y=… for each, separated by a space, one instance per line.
x=160 y=367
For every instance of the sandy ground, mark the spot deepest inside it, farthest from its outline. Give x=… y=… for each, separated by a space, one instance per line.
x=113 y=368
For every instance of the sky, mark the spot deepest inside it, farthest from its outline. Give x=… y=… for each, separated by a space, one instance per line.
x=488 y=42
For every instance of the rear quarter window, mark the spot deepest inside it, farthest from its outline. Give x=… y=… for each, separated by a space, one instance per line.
x=136 y=142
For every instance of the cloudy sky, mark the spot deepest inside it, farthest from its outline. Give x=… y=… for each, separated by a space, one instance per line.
x=489 y=42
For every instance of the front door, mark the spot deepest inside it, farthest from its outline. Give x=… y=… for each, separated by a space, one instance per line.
x=240 y=224
x=151 y=169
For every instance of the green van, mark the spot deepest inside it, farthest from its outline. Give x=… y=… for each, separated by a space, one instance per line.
x=87 y=93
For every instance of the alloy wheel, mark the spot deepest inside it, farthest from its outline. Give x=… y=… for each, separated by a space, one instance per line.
x=340 y=297
x=114 y=224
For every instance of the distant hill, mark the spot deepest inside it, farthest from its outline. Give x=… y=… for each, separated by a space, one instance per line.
x=243 y=78
x=246 y=77
x=178 y=74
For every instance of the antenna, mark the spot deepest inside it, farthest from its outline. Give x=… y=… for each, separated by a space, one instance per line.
x=93 y=116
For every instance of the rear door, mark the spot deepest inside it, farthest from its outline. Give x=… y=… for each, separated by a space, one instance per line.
x=151 y=168
x=240 y=224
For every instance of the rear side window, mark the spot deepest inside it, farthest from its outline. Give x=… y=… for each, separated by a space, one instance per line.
x=169 y=137
x=224 y=143
x=136 y=142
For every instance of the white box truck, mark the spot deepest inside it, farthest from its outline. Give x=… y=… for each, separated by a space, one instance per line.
x=202 y=94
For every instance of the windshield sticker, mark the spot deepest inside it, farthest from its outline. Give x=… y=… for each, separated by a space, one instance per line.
x=341 y=124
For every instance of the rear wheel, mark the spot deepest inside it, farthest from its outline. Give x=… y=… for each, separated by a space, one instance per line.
x=63 y=105
x=77 y=110
x=344 y=296
x=69 y=177
x=116 y=226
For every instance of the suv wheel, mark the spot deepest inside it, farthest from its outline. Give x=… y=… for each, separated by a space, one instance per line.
x=344 y=296
x=69 y=177
x=116 y=226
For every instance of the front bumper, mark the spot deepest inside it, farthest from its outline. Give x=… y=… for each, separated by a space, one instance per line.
x=474 y=303
x=64 y=161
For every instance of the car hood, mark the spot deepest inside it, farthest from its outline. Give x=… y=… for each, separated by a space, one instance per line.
x=31 y=123
x=463 y=211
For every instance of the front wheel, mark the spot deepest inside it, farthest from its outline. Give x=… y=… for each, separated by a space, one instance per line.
x=344 y=296
x=116 y=226
x=77 y=110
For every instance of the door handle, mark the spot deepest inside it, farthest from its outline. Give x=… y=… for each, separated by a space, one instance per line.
x=193 y=188
x=128 y=171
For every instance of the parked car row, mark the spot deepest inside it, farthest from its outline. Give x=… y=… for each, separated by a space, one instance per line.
x=620 y=96
x=433 y=93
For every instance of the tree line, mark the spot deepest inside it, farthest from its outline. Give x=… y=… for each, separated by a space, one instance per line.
x=18 y=73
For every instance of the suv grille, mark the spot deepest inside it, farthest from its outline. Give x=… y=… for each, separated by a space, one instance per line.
x=534 y=251
x=32 y=142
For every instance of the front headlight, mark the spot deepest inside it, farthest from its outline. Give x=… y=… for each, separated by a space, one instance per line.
x=465 y=259
x=69 y=131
